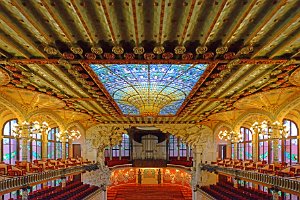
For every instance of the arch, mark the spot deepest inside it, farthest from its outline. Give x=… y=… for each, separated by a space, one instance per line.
x=76 y=124
x=284 y=109
x=55 y=117
x=252 y=112
x=12 y=105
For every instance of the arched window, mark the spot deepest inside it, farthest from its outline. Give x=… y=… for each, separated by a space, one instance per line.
x=245 y=146
x=36 y=147
x=52 y=142
x=263 y=150
x=173 y=146
x=125 y=148
x=9 y=143
x=290 y=149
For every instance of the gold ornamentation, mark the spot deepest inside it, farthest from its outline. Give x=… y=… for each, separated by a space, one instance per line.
x=118 y=50
x=4 y=77
x=180 y=49
x=246 y=50
x=97 y=50
x=50 y=50
x=221 y=50
x=77 y=50
x=138 y=50
x=159 y=50
x=201 y=50
x=295 y=77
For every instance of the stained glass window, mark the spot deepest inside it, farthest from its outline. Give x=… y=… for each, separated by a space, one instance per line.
x=149 y=89
x=52 y=143
x=173 y=146
x=245 y=146
x=291 y=143
x=36 y=143
x=125 y=148
x=10 y=144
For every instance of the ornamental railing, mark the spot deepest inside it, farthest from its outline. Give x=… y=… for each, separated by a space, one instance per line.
x=16 y=183
x=273 y=181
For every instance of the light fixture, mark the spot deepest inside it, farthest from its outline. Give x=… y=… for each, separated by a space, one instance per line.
x=231 y=136
x=275 y=130
x=70 y=135
x=27 y=129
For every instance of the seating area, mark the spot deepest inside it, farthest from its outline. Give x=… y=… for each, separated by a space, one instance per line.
x=182 y=161
x=23 y=167
x=74 y=190
x=280 y=169
x=226 y=191
x=149 y=192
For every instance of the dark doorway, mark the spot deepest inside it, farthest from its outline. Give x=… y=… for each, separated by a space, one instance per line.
x=222 y=151
x=76 y=150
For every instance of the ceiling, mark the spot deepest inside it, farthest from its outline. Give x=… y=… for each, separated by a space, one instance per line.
x=248 y=47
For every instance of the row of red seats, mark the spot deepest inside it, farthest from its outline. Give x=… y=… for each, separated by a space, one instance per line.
x=54 y=191
x=246 y=194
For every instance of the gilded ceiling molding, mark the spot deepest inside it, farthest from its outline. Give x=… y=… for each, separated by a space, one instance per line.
x=251 y=113
x=295 y=77
x=102 y=136
x=13 y=106
x=284 y=109
x=4 y=77
x=46 y=112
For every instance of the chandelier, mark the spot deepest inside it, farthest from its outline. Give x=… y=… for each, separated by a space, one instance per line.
x=231 y=136
x=70 y=135
x=275 y=130
x=27 y=129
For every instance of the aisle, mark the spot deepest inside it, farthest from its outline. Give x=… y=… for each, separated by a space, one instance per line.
x=149 y=192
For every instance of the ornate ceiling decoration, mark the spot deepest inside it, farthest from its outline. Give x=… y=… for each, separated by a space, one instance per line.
x=149 y=90
x=269 y=101
x=4 y=77
x=248 y=46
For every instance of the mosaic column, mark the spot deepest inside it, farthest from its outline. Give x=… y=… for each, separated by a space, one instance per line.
x=110 y=153
x=255 y=147
x=71 y=149
x=24 y=142
x=235 y=155
x=120 y=152
x=178 y=149
x=187 y=152
x=44 y=145
x=63 y=148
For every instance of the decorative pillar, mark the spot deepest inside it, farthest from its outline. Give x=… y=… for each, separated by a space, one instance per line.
x=110 y=153
x=24 y=143
x=1 y=149
x=25 y=193
x=63 y=144
x=255 y=147
x=63 y=182
x=167 y=149
x=44 y=145
x=178 y=149
x=187 y=152
x=275 y=194
x=236 y=182
x=70 y=149
x=120 y=152
x=235 y=155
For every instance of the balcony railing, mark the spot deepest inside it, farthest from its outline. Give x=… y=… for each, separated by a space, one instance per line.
x=273 y=181
x=15 y=183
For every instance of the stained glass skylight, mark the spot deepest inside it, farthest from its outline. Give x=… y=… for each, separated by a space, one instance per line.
x=154 y=89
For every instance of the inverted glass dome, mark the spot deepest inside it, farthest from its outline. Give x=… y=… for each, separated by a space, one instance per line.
x=149 y=89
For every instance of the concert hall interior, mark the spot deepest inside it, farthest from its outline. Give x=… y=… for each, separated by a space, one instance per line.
x=149 y=99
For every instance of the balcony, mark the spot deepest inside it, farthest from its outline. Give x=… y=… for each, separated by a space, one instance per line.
x=289 y=185
x=16 y=183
